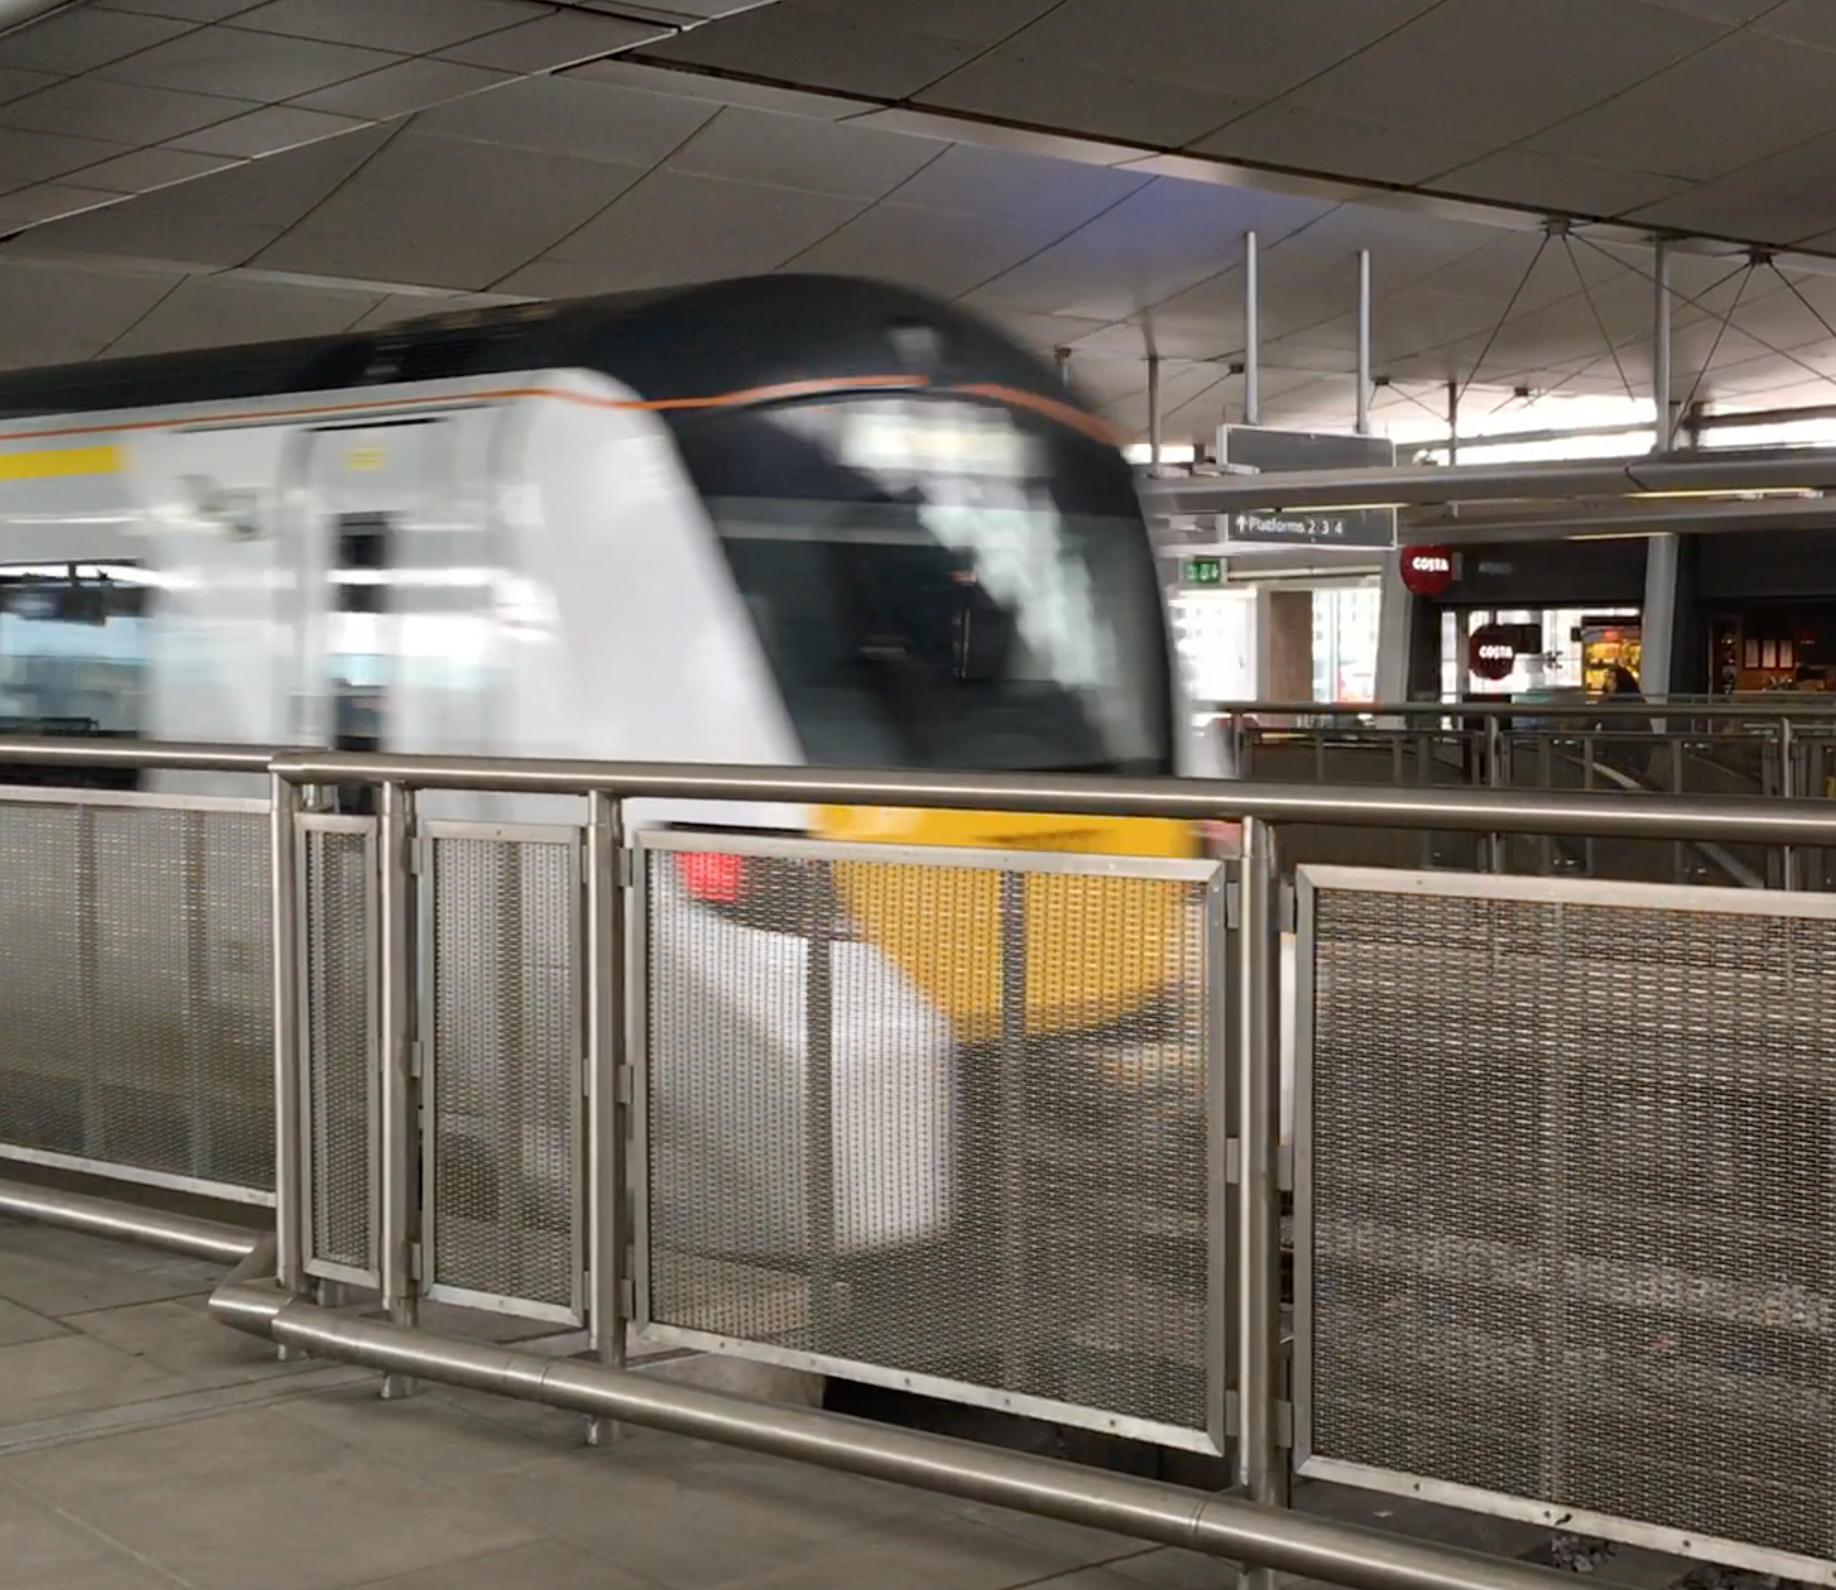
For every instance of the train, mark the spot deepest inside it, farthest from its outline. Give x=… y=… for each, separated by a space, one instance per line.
x=790 y=520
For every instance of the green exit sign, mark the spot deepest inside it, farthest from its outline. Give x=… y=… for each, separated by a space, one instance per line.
x=1203 y=571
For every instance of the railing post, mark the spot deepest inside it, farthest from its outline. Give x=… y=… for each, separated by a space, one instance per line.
x=1788 y=787
x=606 y=1069
x=284 y=805
x=1260 y=1463
x=400 y=1104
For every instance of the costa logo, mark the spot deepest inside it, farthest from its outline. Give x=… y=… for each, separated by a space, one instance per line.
x=1492 y=652
x=1427 y=571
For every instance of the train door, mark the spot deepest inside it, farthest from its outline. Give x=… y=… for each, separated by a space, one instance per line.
x=386 y=539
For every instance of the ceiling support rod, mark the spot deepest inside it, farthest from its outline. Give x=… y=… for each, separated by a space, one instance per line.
x=1252 y=333
x=1154 y=415
x=1664 y=408
x=1364 y=342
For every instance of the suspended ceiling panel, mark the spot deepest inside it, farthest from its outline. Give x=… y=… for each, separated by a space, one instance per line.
x=1638 y=110
x=526 y=155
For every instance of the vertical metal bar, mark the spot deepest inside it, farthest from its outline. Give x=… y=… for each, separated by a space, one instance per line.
x=285 y=906
x=819 y=1104
x=1259 y=1458
x=1153 y=397
x=1788 y=787
x=1062 y=357
x=1220 y=1128
x=1252 y=331
x=1679 y=851
x=1495 y=777
x=606 y=1066
x=89 y=961
x=1545 y=779
x=1666 y=427
x=1589 y=859
x=198 y=1100
x=1453 y=423
x=1013 y=1276
x=400 y=1105
x=1364 y=342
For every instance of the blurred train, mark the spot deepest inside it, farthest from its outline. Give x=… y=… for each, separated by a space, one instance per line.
x=788 y=520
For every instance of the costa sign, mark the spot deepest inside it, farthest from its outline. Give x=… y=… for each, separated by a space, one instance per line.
x=1492 y=652
x=1427 y=571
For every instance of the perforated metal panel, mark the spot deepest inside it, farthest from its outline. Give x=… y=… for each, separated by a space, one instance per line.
x=342 y=1075
x=938 y=1120
x=505 y=1201
x=1568 y=1207
x=136 y=1035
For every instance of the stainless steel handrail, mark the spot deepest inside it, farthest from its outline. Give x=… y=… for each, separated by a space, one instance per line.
x=1743 y=819
x=154 y=756
x=1760 y=709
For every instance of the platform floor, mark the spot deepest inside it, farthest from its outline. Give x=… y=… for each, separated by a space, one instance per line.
x=143 y=1446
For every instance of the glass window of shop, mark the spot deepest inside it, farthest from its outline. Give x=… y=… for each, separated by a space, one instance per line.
x=1345 y=629
x=1580 y=645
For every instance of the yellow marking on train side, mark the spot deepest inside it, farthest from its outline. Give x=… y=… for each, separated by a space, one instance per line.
x=54 y=463
x=361 y=459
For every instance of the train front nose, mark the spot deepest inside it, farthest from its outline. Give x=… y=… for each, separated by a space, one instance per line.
x=1094 y=949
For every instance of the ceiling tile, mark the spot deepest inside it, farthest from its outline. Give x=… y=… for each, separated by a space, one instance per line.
x=1059 y=194
x=51 y=313
x=927 y=249
x=817 y=49
x=1498 y=70
x=88 y=107
x=183 y=10
x=401 y=89
x=37 y=157
x=673 y=225
x=1564 y=187
x=1744 y=98
x=551 y=42
x=1064 y=94
x=1732 y=12
x=1801 y=21
x=447 y=214
x=259 y=66
x=972 y=21
x=1314 y=140
x=81 y=39
x=47 y=200
x=16 y=85
x=146 y=169
x=221 y=220
x=623 y=72
x=265 y=132
x=1243 y=49
x=791 y=152
x=206 y=312
x=573 y=116
x=408 y=27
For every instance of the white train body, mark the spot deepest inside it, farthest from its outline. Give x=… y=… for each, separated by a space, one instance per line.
x=554 y=586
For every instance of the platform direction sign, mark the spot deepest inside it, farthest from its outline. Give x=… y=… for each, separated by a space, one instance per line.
x=1276 y=452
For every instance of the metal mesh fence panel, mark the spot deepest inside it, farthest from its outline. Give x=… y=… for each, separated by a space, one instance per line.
x=507 y=1199
x=136 y=1028
x=1571 y=1197
x=911 y=1119
x=340 y=1059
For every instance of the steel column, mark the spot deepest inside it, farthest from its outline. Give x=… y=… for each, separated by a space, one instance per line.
x=1153 y=397
x=606 y=1073
x=290 y=1192
x=400 y=1101
x=1261 y=1468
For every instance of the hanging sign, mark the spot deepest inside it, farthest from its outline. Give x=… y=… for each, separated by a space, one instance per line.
x=1427 y=571
x=1492 y=651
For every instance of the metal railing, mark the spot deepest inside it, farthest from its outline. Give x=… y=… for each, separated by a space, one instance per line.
x=1764 y=746
x=922 y=1071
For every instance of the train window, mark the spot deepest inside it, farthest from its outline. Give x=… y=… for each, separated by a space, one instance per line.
x=942 y=584
x=73 y=648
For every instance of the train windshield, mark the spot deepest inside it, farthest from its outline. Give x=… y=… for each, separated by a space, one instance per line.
x=943 y=584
